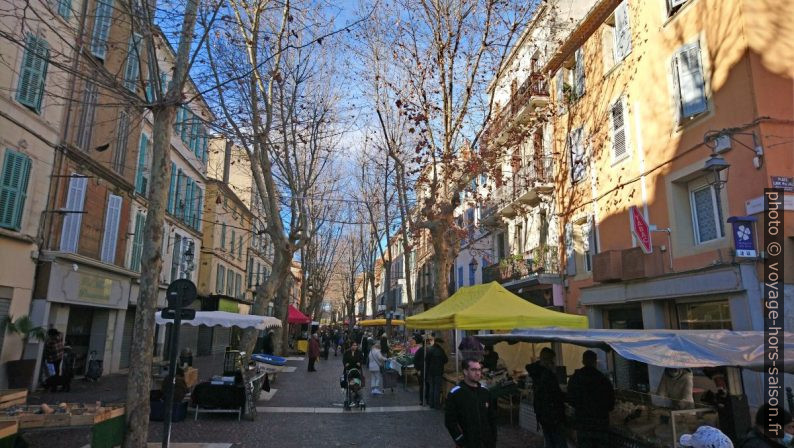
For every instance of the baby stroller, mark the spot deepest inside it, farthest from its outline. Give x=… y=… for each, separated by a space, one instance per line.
x=353 y=383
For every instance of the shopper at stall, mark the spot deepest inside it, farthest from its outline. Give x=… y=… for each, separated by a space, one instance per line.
x=593 y=397
x=375 y=363
x=548 y=399
x=706 y=437
x=313 y=352
x=470 y=415
x=434 y=367
x=419 y=364
x=676 y=384
x=770 y=429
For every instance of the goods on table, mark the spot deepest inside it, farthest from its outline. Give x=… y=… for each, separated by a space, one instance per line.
x=64 y=414
x=13 y=397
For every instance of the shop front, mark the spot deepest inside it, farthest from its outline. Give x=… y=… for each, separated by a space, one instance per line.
x=87 y=301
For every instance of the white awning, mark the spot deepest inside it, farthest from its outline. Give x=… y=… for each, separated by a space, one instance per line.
x=665 y=348
x=225 y=319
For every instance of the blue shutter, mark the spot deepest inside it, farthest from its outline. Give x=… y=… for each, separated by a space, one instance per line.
x=65 y=8
x=13 y=188
x=199 y=209
x=73 y=218
x=188 y=212
x=111 y=233
x=179 y=194
x=140 y=178
x=204 y=145
x=103 y=15
x=163 y=83
x=133 y=62
x=171 y=186
x=33 y=72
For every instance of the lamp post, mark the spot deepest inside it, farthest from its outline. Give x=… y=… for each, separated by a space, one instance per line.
x=713 y=169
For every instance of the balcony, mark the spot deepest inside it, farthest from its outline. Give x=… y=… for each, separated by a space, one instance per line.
x=533 y=93
x=539 y=262
x=521 y=189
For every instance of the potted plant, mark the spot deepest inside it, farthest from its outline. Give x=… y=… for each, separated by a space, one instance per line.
x=504 y=268
x=20 y=372
x=519 y=266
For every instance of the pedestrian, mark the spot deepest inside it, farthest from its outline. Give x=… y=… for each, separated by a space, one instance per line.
x=375 y=363
x=337 y=341
x=434 y=365
x=384 y=346
x=470 y=414
x=773 y=429
x=326 y=345
x=593 y=398
x=419 y=365
x=548 y=399
x=267 y=345
x=705 y=437
x=53 y=351
x=313 y=352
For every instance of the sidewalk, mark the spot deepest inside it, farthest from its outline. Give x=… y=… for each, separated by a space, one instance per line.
x=303 y=409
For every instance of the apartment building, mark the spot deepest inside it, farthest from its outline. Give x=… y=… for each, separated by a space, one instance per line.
x=676 y=113
x=513 y=235
x=32 y=112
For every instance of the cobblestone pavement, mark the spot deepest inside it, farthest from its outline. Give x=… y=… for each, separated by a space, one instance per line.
x=304 y=409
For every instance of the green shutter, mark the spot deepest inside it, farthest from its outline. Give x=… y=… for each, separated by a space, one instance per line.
x=33 y=72
x=133 y=62
x=186 y=120
x=140 y=179
x=137 y=242
x=65 y=8
x=199 y=209
x=171 y=187
x=13 y=188
x=103 y=15
x=223 y=236
x=188 y=211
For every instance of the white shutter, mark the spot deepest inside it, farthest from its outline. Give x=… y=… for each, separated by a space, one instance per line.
x=104 y=12
x=110 y=237
x=75 y=198
x=578 y=74
x=618 y=119
x=569 y=252
x=691 y=84
x=622 y=31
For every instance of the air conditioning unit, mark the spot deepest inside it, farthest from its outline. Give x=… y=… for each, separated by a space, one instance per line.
x=608 y=266
x=638 y=264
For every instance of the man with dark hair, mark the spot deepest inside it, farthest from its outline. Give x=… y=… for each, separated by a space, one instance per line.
x=548 y=399
x=592 y=397
x=470 y=415
x=769 y=429
x=434 y=369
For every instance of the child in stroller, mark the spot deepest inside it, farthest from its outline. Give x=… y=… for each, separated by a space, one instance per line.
x=353 y=383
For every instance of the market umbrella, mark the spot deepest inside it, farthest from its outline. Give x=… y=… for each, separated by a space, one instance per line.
x=225 y=319
x=296 y=317
x=380 y=322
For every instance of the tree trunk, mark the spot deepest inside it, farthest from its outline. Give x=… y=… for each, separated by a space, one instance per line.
x=265 y=293
x=139 y=378
x=443 y=257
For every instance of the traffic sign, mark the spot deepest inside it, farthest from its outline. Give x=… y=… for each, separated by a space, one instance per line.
x=181 y=293
x=641 y=230
x=185 y=313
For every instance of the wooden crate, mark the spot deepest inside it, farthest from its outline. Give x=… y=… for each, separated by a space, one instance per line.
x=8 y=429
x=13 y=397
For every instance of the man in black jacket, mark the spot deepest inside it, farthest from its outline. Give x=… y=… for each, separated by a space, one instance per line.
x=434 y=369
x=593 y=397
x=470 y=415
x=548 y=399
x=419 y=365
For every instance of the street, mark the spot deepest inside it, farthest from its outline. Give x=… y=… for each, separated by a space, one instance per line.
x=303 y=409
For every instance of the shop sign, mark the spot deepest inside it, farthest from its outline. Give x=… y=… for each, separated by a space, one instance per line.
x=94 y=288
x=784 y=183
x=641 y=230
x=743 y=239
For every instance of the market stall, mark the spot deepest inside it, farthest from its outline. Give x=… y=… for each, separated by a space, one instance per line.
x=380 y=322
x=648 y=420
x=295 y=317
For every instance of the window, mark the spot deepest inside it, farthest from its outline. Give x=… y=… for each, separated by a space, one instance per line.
x=65 y=8
x=33 y=73
x=110 y=237
x=238 y=286
x=223 y=236
x=179 y=194
x=250 y=272
x=705 y=316
x=578 y=162
x=622 y=42
x=86 y=126
x=176 y=258
x=231 y=244
x=706 y=214
x=220 y=276
x=13 y=188
x=142 y=176
x=187 y=212
x=617 y=117
x=559 y=84
x=472 y=271
x=122 y=134
x=569 y=249
x=137 y=242
x=578 y=73
x=460 y=276
x=199 y=208
x=73 y=213
x=104 y=11
x=589 y=246
x=132 y=66
x=229 y=283
x=240 y=247
x=689 y=83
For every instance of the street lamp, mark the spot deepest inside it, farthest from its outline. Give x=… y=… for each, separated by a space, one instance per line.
x=713 y=169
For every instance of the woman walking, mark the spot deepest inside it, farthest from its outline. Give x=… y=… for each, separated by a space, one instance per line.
x=375 y=364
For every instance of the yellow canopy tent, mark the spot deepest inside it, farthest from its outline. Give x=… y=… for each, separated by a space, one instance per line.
x=491 y=307
x=380 y=322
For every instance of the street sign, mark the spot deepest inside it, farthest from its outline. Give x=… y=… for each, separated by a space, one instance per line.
x=185 y=314
x=641 y=230
x=743 y=239
x=181 y=293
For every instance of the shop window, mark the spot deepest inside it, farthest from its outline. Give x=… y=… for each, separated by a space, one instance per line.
x=705 y=316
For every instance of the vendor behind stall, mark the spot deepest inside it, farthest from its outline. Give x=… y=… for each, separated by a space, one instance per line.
x=490 y=359
x=676 y=384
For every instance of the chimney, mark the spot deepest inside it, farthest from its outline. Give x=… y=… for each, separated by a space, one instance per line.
x=227 y=161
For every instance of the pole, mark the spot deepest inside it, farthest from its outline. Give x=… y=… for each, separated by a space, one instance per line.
x=169 y=394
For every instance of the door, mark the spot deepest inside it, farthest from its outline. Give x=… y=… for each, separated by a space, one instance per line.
x=126 y=338
x=78 y=335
